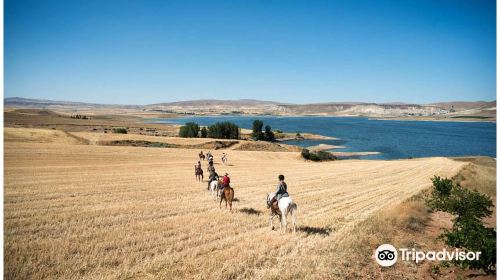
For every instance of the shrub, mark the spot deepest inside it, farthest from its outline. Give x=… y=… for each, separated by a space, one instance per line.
x=268 y=134
x=224 y=130
x=257 y=130
x=317 y=156
x=189 y=130
x=468 y=232
x=120 y=130
x=204 y=132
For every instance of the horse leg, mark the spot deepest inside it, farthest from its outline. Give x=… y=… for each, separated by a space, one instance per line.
x=271 y=221
x=294 y=220
x=281 y=222
x=283 y=218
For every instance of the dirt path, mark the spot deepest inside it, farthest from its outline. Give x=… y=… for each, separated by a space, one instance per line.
x=96 y=211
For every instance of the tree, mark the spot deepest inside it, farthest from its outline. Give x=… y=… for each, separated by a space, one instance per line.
x=257 y=130
x=468 y=231
x=204 y=132
x=189 y=130
x=269 y=134
x=224 y=130
x=120 y=130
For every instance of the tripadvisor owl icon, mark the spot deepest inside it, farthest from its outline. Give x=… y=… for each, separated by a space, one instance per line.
x=386 y=255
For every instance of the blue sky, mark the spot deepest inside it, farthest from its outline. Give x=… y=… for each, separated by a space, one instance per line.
x=142 y=52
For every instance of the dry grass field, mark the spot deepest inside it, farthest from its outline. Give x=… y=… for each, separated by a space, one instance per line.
x=106 y=212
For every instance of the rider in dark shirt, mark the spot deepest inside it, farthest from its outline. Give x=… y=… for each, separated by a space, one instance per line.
x=213 y=175
x=281 y=190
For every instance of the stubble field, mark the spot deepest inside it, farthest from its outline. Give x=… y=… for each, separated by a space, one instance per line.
x=88 y=211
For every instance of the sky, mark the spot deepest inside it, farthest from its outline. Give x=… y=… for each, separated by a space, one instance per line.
x=148 y=51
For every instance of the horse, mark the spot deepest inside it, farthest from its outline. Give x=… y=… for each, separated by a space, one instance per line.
x=224 y=158
x=198 y=172
x=201 y=156
x=285 y=206
x=228 y=195
x=214 y=188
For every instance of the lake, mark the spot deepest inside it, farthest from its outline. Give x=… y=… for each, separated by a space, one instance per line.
x=393 y=139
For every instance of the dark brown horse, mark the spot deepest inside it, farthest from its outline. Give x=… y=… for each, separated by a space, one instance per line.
x=198 y=172
x=227 y=195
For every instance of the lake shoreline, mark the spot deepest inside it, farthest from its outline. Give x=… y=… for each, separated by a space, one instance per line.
x=374 y=138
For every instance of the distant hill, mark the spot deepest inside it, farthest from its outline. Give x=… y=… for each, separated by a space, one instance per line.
x=210 y=102
x=259 y=107
x=461 y=105
x=40 y=103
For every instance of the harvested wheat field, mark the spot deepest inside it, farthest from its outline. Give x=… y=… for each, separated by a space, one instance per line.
x=108 y=212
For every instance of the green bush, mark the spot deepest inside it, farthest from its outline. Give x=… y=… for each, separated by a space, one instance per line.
x=257 y=130
x=204 y=132
x=224 y=130
x=468 y=232
x=120 y=130
x=189 y=130
x=317 y=156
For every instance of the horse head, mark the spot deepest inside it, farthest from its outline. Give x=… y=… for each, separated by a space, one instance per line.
x=268 y=200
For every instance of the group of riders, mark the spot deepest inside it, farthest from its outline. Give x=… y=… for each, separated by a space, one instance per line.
x=281 y=189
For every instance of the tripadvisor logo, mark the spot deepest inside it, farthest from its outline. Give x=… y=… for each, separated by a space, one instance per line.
x=387 y=255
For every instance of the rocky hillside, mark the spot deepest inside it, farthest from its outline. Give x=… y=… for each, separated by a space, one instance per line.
x=479 y=109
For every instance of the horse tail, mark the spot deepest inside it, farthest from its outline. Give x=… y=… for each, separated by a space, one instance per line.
x=292 y=209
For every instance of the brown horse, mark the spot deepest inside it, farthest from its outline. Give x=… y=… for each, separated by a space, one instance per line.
x=228 y=195
x=198 y=172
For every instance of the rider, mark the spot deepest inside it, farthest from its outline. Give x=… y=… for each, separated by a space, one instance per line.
x=281 y=190
x=198 y=166
x=225 y=181
x=213 y=174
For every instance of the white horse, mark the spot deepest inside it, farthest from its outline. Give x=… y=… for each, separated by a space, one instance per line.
x=214 y=189
x=286 y=206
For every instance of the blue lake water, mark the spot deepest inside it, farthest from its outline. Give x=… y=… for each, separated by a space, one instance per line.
x=393 y=139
